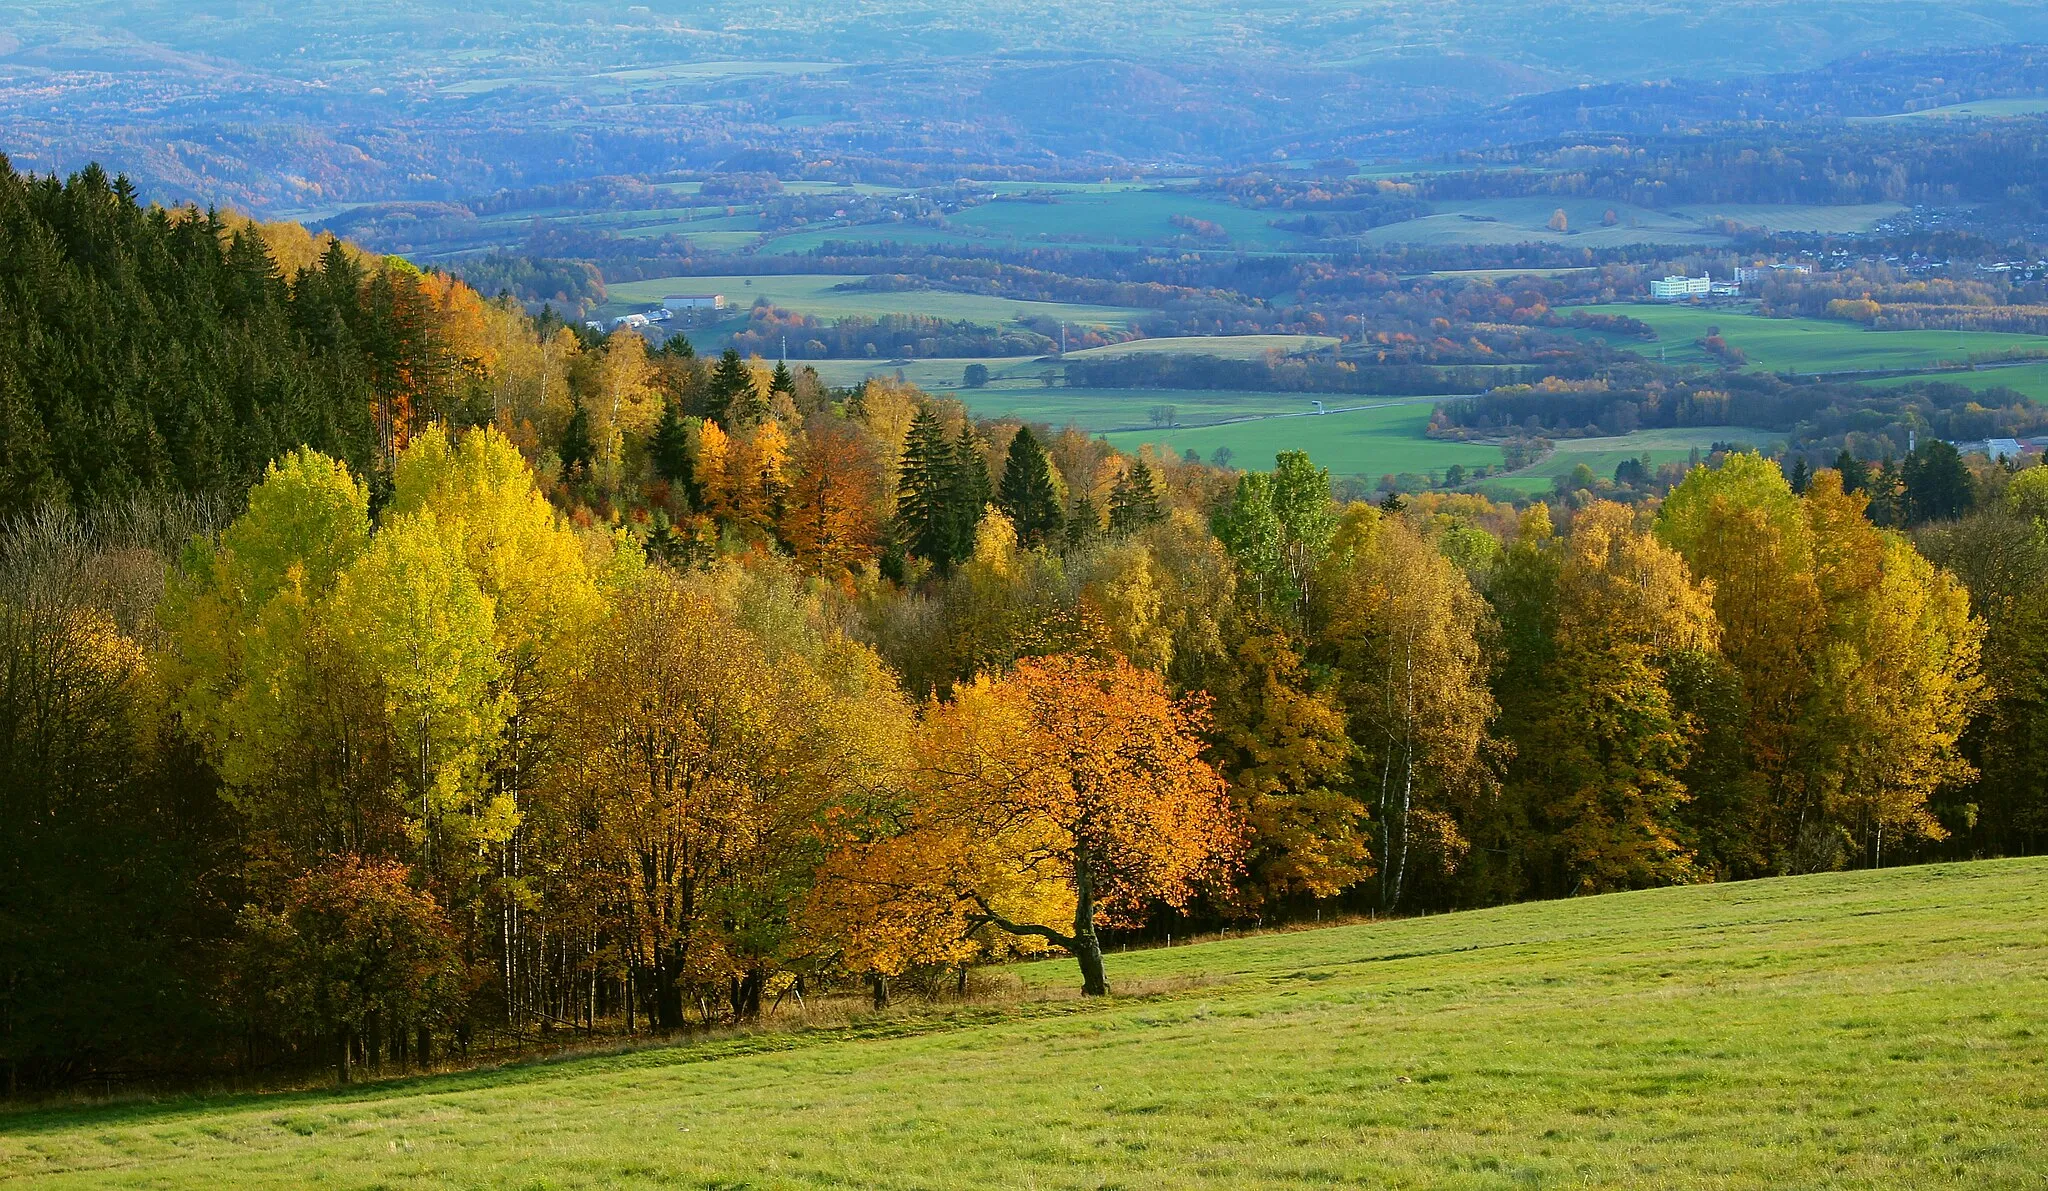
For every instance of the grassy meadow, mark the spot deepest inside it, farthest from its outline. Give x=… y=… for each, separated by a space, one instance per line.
x=1386 y=436
x=1809 y=344
x=2031 y=379
x=819 y=295
x=1527 y=220
x=1603 y=455
x=1977 y=109
x=1857 y=1030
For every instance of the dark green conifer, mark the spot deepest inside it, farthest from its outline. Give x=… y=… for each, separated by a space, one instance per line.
x=925 y=490
x=1134 y=502
x=1027 y=494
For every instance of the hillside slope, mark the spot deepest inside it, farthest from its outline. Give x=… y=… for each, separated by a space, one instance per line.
x=1879 y=1029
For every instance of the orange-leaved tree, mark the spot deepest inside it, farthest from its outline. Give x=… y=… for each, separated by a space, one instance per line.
x=1067 y=793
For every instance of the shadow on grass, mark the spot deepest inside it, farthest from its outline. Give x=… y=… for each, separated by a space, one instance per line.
x=835 y=1020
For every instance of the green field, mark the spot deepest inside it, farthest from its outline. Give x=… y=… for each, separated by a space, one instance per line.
x=2031 y=379
x=1101 y=215
x=1981 y=109
x=818 y=294
x=1526 y=220
x=1107 y=409
x=1229 y=347
x=1603 y=455
x=1382 y=439
x=1005 y=372
x=1809 y=344
x=1861 y=1030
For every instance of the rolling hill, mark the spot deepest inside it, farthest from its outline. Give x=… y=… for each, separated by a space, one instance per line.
x=1870 y=1029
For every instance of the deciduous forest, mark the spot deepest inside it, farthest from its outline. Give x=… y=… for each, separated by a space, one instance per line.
x=387 y=673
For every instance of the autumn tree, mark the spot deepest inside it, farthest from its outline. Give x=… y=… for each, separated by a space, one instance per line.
x=1066 y=794
x=833 y=517
x=1403 y=626
x=353 y=952
x=1601 y=742
x=705 y=759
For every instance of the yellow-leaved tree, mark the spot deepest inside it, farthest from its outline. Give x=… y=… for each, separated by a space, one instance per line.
x=1068 y=793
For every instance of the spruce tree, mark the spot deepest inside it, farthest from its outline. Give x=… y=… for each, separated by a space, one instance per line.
x=969 y=493
x=670 y=451
x=1134 y=503
x=1084 y=524
x=1027 y=494
x=1855 y=477
x=577 y=448
x=732 y=401
x=924 y=491
x=783 y=382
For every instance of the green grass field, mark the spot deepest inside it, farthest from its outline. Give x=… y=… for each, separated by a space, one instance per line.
x=1108 y=409
x=1229 y=347
x=818 y=294
x=1981 y=109
x=2031 y=379
x=1526 y=220
x=1809 y=344
x=1380 y=440
x=1007 y=372
x=1603 y=455
x=1865 y=1030
x=1101 y=215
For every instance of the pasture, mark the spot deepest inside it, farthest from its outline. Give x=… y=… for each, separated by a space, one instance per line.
x=1603 y=455
x=1085 y=214
x=821 y=295
x=2030 y=379
x=1809 y=344
x=1385 y=437
x=1853 y=1030
x=1526 y=220
x=1976 y=109
x=1228 y=347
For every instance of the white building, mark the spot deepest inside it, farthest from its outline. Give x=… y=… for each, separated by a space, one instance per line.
x=630 y=320
x=1678 y=286
x=1751 y=274
x=693 y=302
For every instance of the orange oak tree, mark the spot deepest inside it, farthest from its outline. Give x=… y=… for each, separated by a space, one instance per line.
x=1068 y=793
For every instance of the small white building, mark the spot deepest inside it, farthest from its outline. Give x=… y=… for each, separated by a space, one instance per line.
x=693 y=302
x=631 y=320
x=1678 y=287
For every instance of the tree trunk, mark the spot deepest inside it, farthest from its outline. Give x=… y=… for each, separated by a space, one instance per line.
x=1087 y=949
x=668 y=997
x=344 y=1044
x=423 y=1047
x=878 y=984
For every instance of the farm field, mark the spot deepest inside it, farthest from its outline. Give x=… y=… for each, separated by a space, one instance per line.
x=1861 y=1030
x=1385 y=438
x=1107 y=409
x=946 y=374
x=2031 y=379
x=1809 y=344
x=1980 y=109
x=1526 y=220
x=1228 y=347
x=818 y=294
x=1101 y=215
x=1603 y=455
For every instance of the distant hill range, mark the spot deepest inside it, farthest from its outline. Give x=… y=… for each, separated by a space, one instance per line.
x=310 y=110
